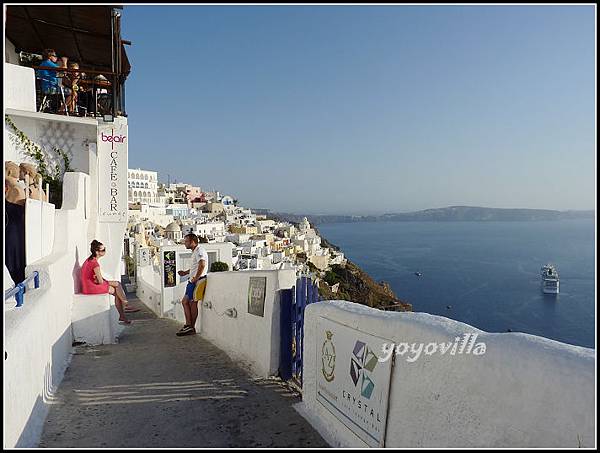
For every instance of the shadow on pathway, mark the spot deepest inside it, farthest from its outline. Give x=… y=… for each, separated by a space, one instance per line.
x=154 y=389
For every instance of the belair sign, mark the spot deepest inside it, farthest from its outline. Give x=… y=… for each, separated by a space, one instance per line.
x=112 y=172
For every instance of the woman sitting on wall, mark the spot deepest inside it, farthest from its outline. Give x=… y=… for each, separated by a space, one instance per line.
x=92 y=281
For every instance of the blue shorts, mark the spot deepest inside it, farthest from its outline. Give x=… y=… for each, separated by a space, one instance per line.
x=189 y=291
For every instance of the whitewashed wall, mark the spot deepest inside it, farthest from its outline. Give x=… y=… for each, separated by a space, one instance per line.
x=39 y=229
x=38 y=335
x=251 y=340
x=525 y=391
x=10 y=54
x=148 y=288
x=20 y=93
x=73 y=135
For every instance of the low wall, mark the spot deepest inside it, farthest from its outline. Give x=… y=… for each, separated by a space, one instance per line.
x=148 y=288
x=38 y=335
x=39 y=229
x=522 y=391
x=38 y=346
x=20 y=93
x=253 y=341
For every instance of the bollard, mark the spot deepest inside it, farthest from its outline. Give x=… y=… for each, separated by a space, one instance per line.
x=19 y=295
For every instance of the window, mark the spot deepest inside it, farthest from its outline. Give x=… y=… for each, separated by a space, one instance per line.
x=212 y=257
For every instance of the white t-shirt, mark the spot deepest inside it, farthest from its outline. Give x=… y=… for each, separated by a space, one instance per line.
x=198 y=254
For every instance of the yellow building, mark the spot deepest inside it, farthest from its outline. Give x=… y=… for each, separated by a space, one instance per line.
x=238 y=229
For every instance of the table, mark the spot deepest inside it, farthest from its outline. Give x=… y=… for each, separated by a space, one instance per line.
x=95 y=85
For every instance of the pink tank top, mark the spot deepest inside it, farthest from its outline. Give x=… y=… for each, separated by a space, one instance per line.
x=88 y=281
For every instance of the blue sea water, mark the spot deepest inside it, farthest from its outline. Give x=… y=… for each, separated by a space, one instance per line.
x=487 y=272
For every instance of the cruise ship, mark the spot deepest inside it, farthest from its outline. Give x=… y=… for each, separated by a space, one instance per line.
x=550 y=283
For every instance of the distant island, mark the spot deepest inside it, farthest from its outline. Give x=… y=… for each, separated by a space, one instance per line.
x=448 y=214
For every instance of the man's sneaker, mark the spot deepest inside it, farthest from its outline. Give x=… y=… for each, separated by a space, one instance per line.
x=185 y=330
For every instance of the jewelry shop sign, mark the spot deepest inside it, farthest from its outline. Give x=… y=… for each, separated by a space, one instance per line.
x=352 y=383
x=112 y=172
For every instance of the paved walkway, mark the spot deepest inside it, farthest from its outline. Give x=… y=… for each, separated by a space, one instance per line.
x=154 y=389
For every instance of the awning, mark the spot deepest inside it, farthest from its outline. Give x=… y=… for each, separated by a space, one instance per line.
x=82 y=33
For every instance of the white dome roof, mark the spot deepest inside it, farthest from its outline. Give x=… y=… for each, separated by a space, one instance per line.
x=173 y=227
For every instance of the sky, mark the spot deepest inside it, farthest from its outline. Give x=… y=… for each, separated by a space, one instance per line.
x=367 y=109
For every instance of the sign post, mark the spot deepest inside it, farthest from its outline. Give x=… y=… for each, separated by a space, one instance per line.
x=112 y=172
x=256 y=295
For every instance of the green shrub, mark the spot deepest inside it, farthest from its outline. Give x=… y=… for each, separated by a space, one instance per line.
x=219 y=266
x=331 y=278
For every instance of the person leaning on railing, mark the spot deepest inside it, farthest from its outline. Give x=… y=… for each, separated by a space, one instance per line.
x=49 y=78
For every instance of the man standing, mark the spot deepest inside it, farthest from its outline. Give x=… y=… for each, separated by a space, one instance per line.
x=49 y=78
x=198 y=270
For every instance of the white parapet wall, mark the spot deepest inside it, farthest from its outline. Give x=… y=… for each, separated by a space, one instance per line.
x=38 y=335
x=148 y=287
x=20 y=92
x=251 y=339
x=509 y=390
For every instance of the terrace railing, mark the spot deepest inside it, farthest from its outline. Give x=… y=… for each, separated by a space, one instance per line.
x=97 y=94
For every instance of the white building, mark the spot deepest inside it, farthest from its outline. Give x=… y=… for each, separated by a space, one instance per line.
x=142 y=186
x=266 y=226
x=173 y=232
x=57 y=234
x=211 y=230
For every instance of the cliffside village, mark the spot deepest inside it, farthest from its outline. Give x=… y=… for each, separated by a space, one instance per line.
x=162 y=214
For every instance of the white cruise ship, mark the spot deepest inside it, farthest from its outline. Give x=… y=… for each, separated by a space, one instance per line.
x=550 y=283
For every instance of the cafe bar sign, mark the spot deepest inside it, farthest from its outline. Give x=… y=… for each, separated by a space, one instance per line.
x=112 y=172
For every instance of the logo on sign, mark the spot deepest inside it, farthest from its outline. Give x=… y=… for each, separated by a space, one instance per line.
x=328 y=358
x=112 y=138
x=362 y=365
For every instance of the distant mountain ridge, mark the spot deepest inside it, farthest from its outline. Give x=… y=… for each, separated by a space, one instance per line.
x=448 y=214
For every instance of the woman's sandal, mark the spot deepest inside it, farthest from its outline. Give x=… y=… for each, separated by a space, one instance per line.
x=124 y=321
x=131 y=310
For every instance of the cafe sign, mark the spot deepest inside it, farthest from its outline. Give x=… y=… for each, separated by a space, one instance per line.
x=112 y=172
x=352 y=383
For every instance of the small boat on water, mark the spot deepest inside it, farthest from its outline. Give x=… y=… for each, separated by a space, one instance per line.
x=550 y=280
x=418 y=274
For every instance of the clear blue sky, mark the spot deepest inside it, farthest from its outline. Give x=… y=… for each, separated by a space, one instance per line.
x=362 y=110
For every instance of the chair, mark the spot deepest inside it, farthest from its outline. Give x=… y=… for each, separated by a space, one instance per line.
x=46 y=96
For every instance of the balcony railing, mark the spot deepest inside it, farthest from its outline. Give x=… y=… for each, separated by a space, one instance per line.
x=79 y=92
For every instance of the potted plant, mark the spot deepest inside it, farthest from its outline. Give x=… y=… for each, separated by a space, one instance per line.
x=219 y=266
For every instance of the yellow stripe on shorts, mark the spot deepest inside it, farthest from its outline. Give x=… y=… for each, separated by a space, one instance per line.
x=200 y=289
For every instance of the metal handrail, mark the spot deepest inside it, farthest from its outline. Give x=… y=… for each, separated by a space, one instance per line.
x=80 y=70
x=20 y=288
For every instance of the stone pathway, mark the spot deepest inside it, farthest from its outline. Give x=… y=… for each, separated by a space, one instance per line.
x=154 y=389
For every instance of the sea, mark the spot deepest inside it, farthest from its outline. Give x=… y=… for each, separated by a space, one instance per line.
x=486 y=274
